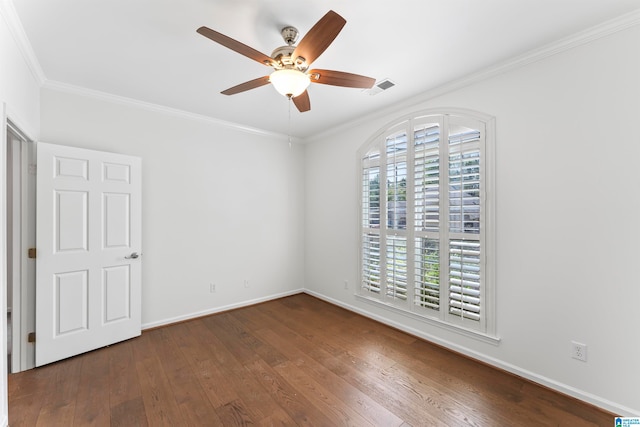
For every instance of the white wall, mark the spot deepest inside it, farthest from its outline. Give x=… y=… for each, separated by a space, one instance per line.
x=19 y=79
x=219 y=205
x=19 y=102
x=567 y=213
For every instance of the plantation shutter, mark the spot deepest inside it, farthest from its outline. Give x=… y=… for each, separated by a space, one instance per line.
x=370 y=208
x=464 y=196
x=422 y=246
x=395 y=236
x=426 y=208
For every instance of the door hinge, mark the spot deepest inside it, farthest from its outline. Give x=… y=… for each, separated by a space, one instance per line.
x=31 y=337
x=32 y=253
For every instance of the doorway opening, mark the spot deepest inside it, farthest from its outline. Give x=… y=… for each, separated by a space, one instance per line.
x=20 y=234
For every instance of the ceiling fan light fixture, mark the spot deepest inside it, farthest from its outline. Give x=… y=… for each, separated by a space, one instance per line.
x=291 y=63
x=289 y=83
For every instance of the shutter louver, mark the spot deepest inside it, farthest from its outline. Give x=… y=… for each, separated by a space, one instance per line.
x=464 y=183
x=396 y=267
x=397 y=196
x=397 y=182
x=371 y=263
x=464 y=279
x=427 y=273
x=371 y=197
x=427 y=178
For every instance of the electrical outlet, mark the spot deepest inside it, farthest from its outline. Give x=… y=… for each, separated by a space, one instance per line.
x=246 y=283
x=346 y=284
x=212 y=287
x=579 y=351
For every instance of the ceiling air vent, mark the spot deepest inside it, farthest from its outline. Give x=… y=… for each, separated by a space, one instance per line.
x=380 y=86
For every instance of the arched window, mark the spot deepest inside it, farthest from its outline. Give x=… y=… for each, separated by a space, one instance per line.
x=427 y=218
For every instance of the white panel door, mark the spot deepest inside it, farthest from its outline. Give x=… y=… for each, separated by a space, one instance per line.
x=88 y=271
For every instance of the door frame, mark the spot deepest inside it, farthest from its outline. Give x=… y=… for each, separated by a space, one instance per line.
x=4 y=400
x=23 y=232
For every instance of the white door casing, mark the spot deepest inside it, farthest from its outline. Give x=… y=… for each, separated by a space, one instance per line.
x=88 y=286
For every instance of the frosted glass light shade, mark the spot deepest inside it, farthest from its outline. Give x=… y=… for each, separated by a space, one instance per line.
x=289 y=83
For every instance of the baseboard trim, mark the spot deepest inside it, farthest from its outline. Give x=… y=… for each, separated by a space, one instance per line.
x=195 y=315
x=589 y=398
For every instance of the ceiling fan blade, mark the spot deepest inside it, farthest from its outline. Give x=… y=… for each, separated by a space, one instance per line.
x=251 y=84
x=236 y=46
x=302 y=102
x=319 y=37
x=340 y=78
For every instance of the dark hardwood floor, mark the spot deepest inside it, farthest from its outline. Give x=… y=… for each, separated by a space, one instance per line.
x=292 y=361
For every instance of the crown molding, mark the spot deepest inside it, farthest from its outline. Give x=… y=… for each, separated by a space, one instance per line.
x=591 y=34
x=8 y=12
x=116 y=99
x=10 y=16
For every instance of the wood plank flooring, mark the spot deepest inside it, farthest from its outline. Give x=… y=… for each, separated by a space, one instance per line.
x=292 y=361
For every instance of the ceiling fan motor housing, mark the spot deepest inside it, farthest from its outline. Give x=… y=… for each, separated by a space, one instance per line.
x=283 y=58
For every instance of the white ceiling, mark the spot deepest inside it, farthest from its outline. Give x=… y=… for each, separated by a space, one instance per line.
x=149 y=50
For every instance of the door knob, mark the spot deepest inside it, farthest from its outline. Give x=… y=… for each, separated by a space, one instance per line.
x=133 y=255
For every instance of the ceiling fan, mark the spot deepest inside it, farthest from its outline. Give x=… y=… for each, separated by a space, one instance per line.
x=291 y=75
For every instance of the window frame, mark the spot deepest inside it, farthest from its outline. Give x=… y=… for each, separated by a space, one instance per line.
x=485 y=329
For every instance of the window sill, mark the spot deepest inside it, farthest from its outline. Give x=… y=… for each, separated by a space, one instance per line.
x=478 y=335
